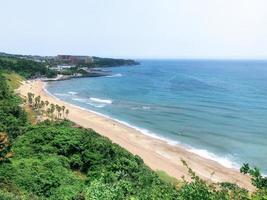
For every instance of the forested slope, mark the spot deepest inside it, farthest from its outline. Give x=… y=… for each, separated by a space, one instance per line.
x=55 y=160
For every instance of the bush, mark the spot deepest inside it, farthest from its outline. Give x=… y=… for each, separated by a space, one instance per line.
x=53 y=160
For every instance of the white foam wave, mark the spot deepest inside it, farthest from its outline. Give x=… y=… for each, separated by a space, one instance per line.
x=60 y=94
x=97 y=106
x=72 y=93
x=107 y=101
x=79 y=99
x=100 y=106
x=146 y=107
x=223 y=160
x=115 y=75
x=141 y=108
x=147 y=132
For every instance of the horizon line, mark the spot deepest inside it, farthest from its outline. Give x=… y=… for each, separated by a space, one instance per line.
x=150 y=58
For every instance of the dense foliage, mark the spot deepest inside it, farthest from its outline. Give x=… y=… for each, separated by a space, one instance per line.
x=55 y=160
x=26 y=68
x=74 y=70
x=52 y=160
x=109 y=62
x=257 y=179
x=12 y=117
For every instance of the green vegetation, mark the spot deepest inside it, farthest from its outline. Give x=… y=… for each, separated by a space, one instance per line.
x=30 y=66
x=13 y=80
x=168 y=179
x=74 y=70
x=108 y=62
x=257 y=180
x=25 y=68
x=43 y=109
x=12 y=117
x=54 y=160
x=48 y=156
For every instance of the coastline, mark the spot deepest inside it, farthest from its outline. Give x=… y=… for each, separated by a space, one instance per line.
x=156 y=153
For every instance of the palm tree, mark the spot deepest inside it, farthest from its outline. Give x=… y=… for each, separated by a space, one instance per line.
x=37 y=102
x=67 y=112
x=58 y=108
x=42 y=104
x=46 y=103
x=48 y=111
x=52 y=110
x=30 y=97
x=63 y=111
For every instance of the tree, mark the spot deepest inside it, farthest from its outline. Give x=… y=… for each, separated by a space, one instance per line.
x=58 y=108
x=4 y=147
x=63 y=111
x=4 y=90
x=30 y=98
x=46 y=103
x=256 y=178
x=42 y=104
x=48 y=111
x=37 y=101
x=52 y=110
x=67 y=112
x=26 y=68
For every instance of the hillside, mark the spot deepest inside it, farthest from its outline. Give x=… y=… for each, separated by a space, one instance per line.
x=56 y=160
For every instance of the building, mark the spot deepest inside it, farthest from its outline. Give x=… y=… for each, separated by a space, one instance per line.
x=74 y=60
x=62 y=67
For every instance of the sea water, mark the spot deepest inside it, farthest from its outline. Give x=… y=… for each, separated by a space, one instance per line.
x=215 y=108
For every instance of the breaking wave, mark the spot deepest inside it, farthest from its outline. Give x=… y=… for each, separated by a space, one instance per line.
x=106 y=101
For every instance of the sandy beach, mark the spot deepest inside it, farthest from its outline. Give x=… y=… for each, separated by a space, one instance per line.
x=157 y=154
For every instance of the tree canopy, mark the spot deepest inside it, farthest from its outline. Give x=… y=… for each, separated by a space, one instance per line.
x=55 y=160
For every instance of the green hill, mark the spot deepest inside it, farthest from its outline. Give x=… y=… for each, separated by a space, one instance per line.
x=55 y=160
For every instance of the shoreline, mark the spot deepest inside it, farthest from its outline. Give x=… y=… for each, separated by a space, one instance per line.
x=157 y=153
x=224 y=161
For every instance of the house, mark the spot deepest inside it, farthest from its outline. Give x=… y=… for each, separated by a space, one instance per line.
x=74 y=60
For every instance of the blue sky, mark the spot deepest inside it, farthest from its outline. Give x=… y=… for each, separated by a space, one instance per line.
x=136 y=28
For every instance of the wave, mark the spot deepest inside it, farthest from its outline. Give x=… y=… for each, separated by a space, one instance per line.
x=146 y=107
x=73 y=93
x=97 y=106
x=79 y=99
x=60 y=94
x=100 y=106
x=223 y=160
x=141 y=108
x=106 y=101
x=145 y=131
x=114 y=75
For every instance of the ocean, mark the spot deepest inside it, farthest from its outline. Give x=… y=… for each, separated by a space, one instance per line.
x=214 y=108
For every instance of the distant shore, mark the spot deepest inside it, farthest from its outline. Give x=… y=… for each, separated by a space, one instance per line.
x=156 y=153
x=67 y=77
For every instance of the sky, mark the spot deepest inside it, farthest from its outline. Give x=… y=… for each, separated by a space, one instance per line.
x=136 y=28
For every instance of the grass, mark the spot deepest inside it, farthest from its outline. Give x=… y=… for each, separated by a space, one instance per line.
x=13 y=80
x=32 y=116
x=169 y=179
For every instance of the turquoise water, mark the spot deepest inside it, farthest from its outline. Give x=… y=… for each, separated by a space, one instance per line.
x=217 y=109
